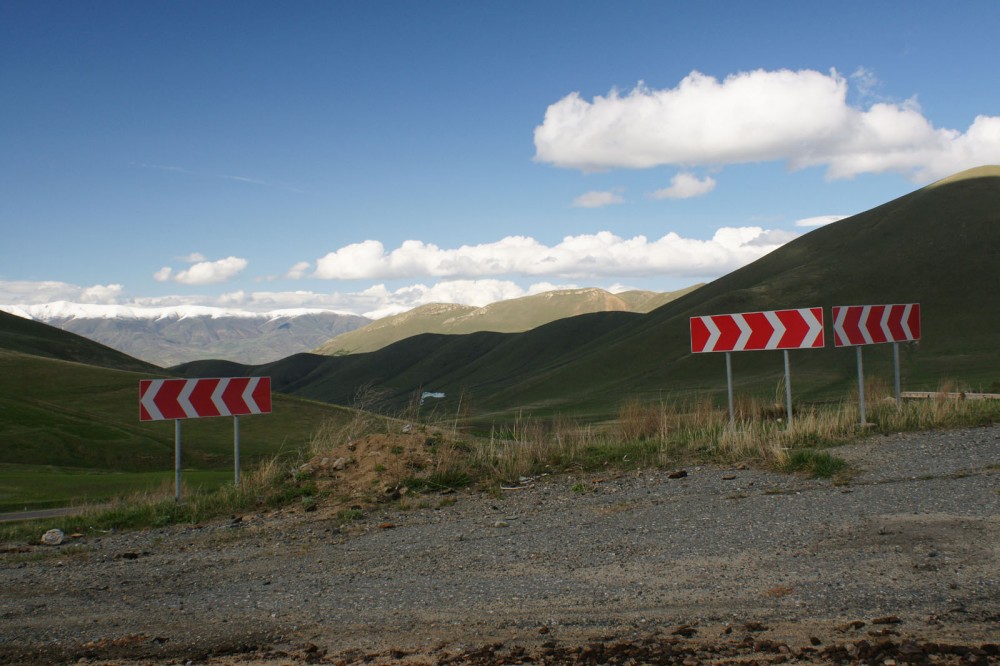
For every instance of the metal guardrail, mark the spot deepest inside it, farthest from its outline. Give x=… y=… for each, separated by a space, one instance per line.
x=963 y=395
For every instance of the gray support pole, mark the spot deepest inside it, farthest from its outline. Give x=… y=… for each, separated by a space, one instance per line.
x=895 y=363
x=177 y=460
x=861 y=387
x=236 y=447
x=729 y=386
x=788 y=389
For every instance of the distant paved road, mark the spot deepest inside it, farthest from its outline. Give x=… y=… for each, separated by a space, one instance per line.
x=40 y=513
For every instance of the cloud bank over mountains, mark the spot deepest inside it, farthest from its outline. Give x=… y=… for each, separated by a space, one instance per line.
x=587 y=256
x=477 y=275
x=802 y=118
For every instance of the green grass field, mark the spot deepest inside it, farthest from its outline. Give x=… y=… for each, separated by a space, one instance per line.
x=70 y=432
x=26 y=487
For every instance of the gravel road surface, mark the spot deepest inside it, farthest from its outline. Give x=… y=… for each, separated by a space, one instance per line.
x=901 y=563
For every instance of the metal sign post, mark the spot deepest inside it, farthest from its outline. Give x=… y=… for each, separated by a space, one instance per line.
x=236 y=448
x=729 y=387
x=861 y=388
x=788 y=389
x=856 y=325
x=751 y=331
x=163 y=399
x=895 y=364
x=177 y=460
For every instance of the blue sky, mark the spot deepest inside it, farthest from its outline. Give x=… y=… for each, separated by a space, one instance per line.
x=372 y=156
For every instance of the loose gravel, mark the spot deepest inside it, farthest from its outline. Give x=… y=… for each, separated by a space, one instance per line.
x=721 y=564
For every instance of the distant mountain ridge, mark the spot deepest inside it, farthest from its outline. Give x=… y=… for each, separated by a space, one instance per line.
x=511 y=316
x=171 y=335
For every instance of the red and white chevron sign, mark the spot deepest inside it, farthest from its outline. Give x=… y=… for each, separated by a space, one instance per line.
x=162 y=399
x=753 y=331
x=873 y=324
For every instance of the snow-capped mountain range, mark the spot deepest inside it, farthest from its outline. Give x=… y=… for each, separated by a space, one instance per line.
x=59 y=310
x=171 y=335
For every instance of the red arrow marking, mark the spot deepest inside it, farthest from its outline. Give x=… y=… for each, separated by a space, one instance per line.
x=852 y=326
x=233 y=396
x=166 y=399
x=201 y=397
x=875 y=324
x=761 y=330
x=795 y=328
x=699 y=335
x=143 y=387
x=914 y=321
x=729 y=332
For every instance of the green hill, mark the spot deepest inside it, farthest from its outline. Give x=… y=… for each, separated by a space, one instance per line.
x=937 y=246
x=69 y=423
x=511 y=316
x=31 y=337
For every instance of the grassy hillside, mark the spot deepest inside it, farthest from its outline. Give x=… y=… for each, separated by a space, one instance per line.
x=510 y=316
x=71 y=427
x=31 y=337
x=939 y=246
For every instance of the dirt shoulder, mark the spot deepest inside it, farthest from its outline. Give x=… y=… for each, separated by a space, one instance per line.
x=724 y=565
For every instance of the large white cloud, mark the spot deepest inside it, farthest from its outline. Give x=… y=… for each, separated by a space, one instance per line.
x=587 y=256
x=203 y=272
x=799 y=117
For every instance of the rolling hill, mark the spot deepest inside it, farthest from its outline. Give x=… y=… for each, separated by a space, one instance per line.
x=939 y=246
x=69 y=422
x=511 y=316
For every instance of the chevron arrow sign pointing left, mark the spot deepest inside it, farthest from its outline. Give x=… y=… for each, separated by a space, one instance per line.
x=162 y=399
x=855 y=325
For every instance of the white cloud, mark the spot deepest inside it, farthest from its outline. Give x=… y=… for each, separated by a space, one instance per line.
x=193 y=258
x=18 y=292
x=203 y=272
x=802 y=118
x=685 y=186
x=38 y=299
x=298 y=271
x=102 y=293
x=819 y=220
x=586 y=256
x=597 y=199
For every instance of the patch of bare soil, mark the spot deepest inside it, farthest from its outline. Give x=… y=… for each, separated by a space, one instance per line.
x=375 y=468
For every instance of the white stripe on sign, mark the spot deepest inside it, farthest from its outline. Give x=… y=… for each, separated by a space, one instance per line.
x=745 y=332
x=863 y=324
x=838 y=326
x=713 y=333
x=779 y=329
x=217 y=397
x=184 y=399
x=149 y=396
x=248 y=395
x=906 y=321
x=884 y=324
x=815 y=327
